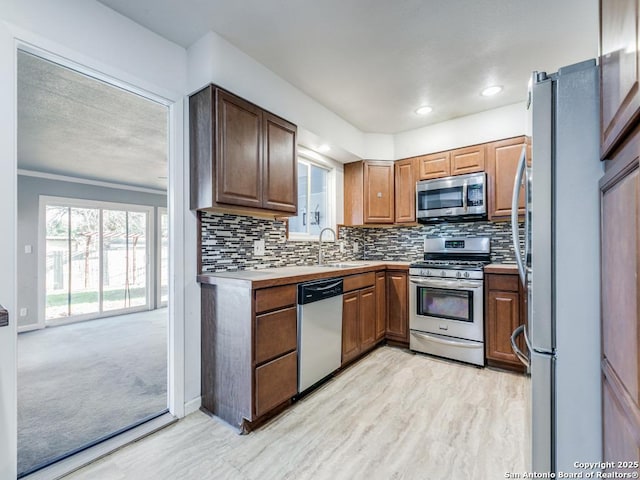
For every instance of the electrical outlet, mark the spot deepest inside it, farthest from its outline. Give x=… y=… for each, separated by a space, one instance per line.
x=341 y=244
x=258 y=248
x=356 y=247
x=28 y=249
x=23 y=312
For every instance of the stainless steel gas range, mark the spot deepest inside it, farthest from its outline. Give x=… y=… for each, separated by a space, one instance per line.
x=446 y=298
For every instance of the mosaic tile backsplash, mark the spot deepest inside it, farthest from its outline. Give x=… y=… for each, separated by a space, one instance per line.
x=227 y=242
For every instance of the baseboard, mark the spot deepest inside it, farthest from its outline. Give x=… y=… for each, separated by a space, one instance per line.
x=192 y=406
x=29 y=328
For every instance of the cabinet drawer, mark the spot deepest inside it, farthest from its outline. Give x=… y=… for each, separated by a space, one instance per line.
x=276 y=382
x=509 y=283
x=276 y=333
x=355 y=282
x=275 y=297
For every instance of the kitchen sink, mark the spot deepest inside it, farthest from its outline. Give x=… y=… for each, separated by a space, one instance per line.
x=342 y=265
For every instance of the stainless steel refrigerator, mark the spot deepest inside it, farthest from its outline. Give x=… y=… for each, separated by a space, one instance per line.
x=560 y=266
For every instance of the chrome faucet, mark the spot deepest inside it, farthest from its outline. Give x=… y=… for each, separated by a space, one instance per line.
x=320 y=256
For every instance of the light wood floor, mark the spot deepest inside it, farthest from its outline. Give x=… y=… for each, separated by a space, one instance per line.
x=393 y=415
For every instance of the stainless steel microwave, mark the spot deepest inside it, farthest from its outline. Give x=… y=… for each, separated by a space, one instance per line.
x=463 y=197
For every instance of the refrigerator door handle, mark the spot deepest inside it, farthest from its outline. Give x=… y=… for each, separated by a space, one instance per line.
x=515 y=234
x=519 y=353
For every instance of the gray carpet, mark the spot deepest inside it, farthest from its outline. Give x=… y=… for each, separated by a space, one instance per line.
x=80 y=382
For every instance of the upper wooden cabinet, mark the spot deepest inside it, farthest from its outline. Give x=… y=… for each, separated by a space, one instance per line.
x=435 y=165
x=405 y=190
x=619 y=70
x=369 y=192
x=502 y=162
x=242 y=157
x=467 y=160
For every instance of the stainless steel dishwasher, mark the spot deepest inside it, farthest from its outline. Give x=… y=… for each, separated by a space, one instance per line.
x=319 y=330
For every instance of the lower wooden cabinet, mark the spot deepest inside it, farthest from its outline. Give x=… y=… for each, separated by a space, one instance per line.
x=504 y=312
x=381 y=304
x=276 y=382
x=397 y=306
x=358 y=322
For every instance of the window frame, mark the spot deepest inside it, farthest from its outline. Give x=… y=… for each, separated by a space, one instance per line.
x=68 y=202
x=331 y=197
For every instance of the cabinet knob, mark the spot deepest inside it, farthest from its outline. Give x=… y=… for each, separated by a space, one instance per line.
x=379 y=194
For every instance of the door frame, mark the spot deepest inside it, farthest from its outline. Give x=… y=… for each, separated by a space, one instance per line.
x=13 y=39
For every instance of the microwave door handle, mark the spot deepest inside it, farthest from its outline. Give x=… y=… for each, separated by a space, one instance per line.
x=465 y=188
x=515 y=233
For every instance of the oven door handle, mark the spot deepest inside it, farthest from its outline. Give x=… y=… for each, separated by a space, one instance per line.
x=434 y=339
x=447 y=283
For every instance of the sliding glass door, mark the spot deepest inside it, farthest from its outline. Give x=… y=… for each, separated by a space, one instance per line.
x=97 y=258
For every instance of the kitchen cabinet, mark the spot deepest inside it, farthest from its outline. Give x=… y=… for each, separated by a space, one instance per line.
x=242 y=158
x=249 y=350
x=359 y=320
x=369 y=192
x=397 y=307
x=467 y=160
x=619 y=72
x=381 y=304
x=405 y=190
x=435 y=165
x=502 y=163
x=620 y=320
x=504 y=312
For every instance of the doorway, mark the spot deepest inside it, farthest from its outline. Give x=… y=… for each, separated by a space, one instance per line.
x=92 y=183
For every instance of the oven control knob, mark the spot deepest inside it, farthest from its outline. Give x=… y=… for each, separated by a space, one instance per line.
x=428 y=274
x=458 y=274
x=443 y=273
x=466 y=274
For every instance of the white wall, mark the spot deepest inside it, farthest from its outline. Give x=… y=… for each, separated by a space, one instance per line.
x=379 y=146
x=214 y=60
x=503 y=122
x=86 y=33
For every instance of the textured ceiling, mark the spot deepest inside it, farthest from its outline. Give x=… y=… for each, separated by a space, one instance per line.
x=74 y=125
x=374 y=61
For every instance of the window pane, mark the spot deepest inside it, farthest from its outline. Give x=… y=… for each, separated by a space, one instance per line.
x=300 y=223
x=85 y=261
x=137 y=260
x=57 y=267
x=318 y=201
x=114 y=258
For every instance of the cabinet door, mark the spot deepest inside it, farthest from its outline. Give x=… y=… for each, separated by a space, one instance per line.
x=619 y=69
x=467 y=160
x=276 y=382
x=238 y=160
x=503 y=317
x=397 y=306
x=436 y=165
x=367 y=317
x=350 y=326
x=381 y=304
x=378 y=192
x=502 y=162
x=620 y=257
x=280 y=165
x=405 y=190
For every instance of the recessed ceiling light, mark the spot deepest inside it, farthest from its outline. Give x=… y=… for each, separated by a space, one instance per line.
x=492 y=90
x=324 y=148
x=424 y=110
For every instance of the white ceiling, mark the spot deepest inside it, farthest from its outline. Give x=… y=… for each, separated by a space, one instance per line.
x=74 y=125
x=374 y=61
